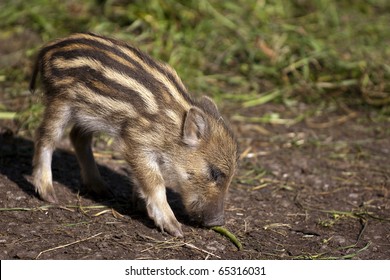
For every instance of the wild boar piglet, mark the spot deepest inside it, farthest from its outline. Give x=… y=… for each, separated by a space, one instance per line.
x=169 y=139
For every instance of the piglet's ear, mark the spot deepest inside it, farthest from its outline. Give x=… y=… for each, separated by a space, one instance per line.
x=209 y=105
x=195 y=127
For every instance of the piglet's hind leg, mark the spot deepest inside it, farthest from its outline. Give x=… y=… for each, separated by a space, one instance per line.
x=56 y=117
x=81 y=140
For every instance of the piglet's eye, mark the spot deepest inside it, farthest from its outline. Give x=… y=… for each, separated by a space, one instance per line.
x=215 y=173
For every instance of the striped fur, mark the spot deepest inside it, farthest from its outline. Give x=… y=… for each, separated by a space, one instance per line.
x=95 y=84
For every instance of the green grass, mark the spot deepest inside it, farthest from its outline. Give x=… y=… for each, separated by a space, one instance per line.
x=246 y=51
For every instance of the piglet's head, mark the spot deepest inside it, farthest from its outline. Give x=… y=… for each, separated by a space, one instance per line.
x=209 y=158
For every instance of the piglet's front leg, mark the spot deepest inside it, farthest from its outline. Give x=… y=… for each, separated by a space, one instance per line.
x=160 y=211
x=152 y=188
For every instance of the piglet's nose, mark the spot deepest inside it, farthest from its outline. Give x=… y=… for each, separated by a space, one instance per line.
x=215 y=221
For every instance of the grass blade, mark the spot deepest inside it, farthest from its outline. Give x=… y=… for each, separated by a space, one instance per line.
x=7 y=115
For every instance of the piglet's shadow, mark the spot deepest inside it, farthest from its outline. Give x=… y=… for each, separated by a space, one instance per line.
x=15 y=163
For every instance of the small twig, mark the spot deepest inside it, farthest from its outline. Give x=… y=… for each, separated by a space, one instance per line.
x=333 y=122
x=165 y=244
x=259 y=187
x=67 y=245
x=364 y=223
x=376 y=98
x=40 y=208
x=276 y=225
x=350 y=114
x=66 y=208
x=245 y=153
x=80 y=206
x=190 y=246
x=102 y=212
x=116 y=214
x=16 y=209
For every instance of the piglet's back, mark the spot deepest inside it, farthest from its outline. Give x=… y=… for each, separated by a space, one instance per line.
x=86 y=64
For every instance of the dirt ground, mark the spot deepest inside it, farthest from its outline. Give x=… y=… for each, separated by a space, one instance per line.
x=317 y=189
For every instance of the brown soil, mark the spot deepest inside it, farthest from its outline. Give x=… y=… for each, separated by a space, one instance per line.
x=311 y=190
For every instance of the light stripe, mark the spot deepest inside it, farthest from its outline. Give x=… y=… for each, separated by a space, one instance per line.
x=83 y=46
x=103 y=102
x=79 y=36
x=173 y=116
x=161 y=77
x=118 y=77
x=94 y=38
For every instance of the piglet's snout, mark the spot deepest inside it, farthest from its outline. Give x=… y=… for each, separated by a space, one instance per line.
x=215 y=221
x=213 y=214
